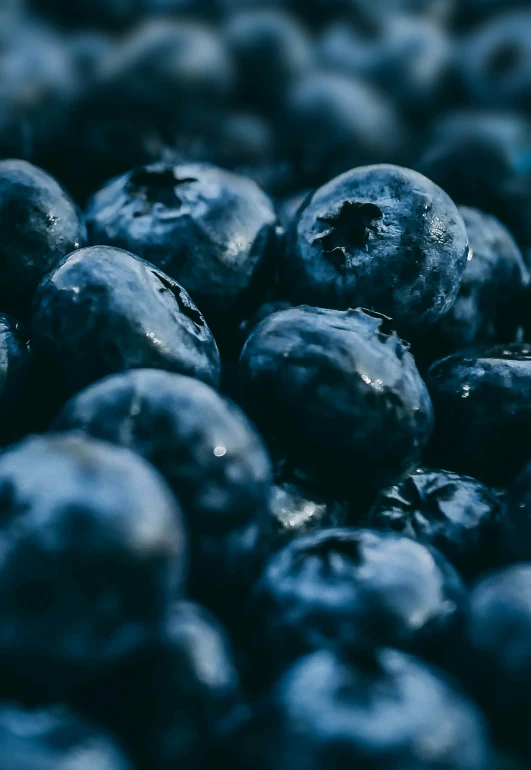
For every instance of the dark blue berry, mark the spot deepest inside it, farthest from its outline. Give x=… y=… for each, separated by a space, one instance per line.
x=94 y=549
x=208 y=452
x=381 y=237
x=39 y=224
x=457 y=514
x=351 y=590
x=209 y=229
x=482 y=397
x=103 y=311
x=387 y=713
x=169 y=703
x=340 y=394
x=488 y=307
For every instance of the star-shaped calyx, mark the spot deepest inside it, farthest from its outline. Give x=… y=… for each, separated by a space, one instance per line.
x=349 y=229
x=152 y=186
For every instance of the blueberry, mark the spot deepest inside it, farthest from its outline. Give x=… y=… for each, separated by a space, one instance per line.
x=492 y=287
x=211 y=230
x=50 y=738
x=103 y=311
x=481 y=397
x=481 y=159
x=383 y=237
x=496 y=655
x=389 y=713
x=350 y=590
x=15 y=375
x=408 y=56
x=170 y=702
x=40 y=225
x=94 y=550
x=497 y=63
x=208 y=452
x=339 y=393
x=332 y=122
x=271 y=48
x=457 y=514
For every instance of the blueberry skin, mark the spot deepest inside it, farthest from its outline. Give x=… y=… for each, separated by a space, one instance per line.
x=208 y=452
x=168 y=703
x=458 y=515
x=481 y=159
x=43 y=739
x=333 y=388
x=496 y=655
x=331 y=122
x=103 y=311
x=381 y=237
x=496 y=66
x=351 y=590
x=270 y=47
x=390 y=713
x=209 y=229
x=40 y=224
x=94 y=547
x=15 y=371
x=492 y=288
x=481 y=399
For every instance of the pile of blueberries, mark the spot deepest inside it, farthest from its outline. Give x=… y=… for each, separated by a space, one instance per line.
x=265 y=385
